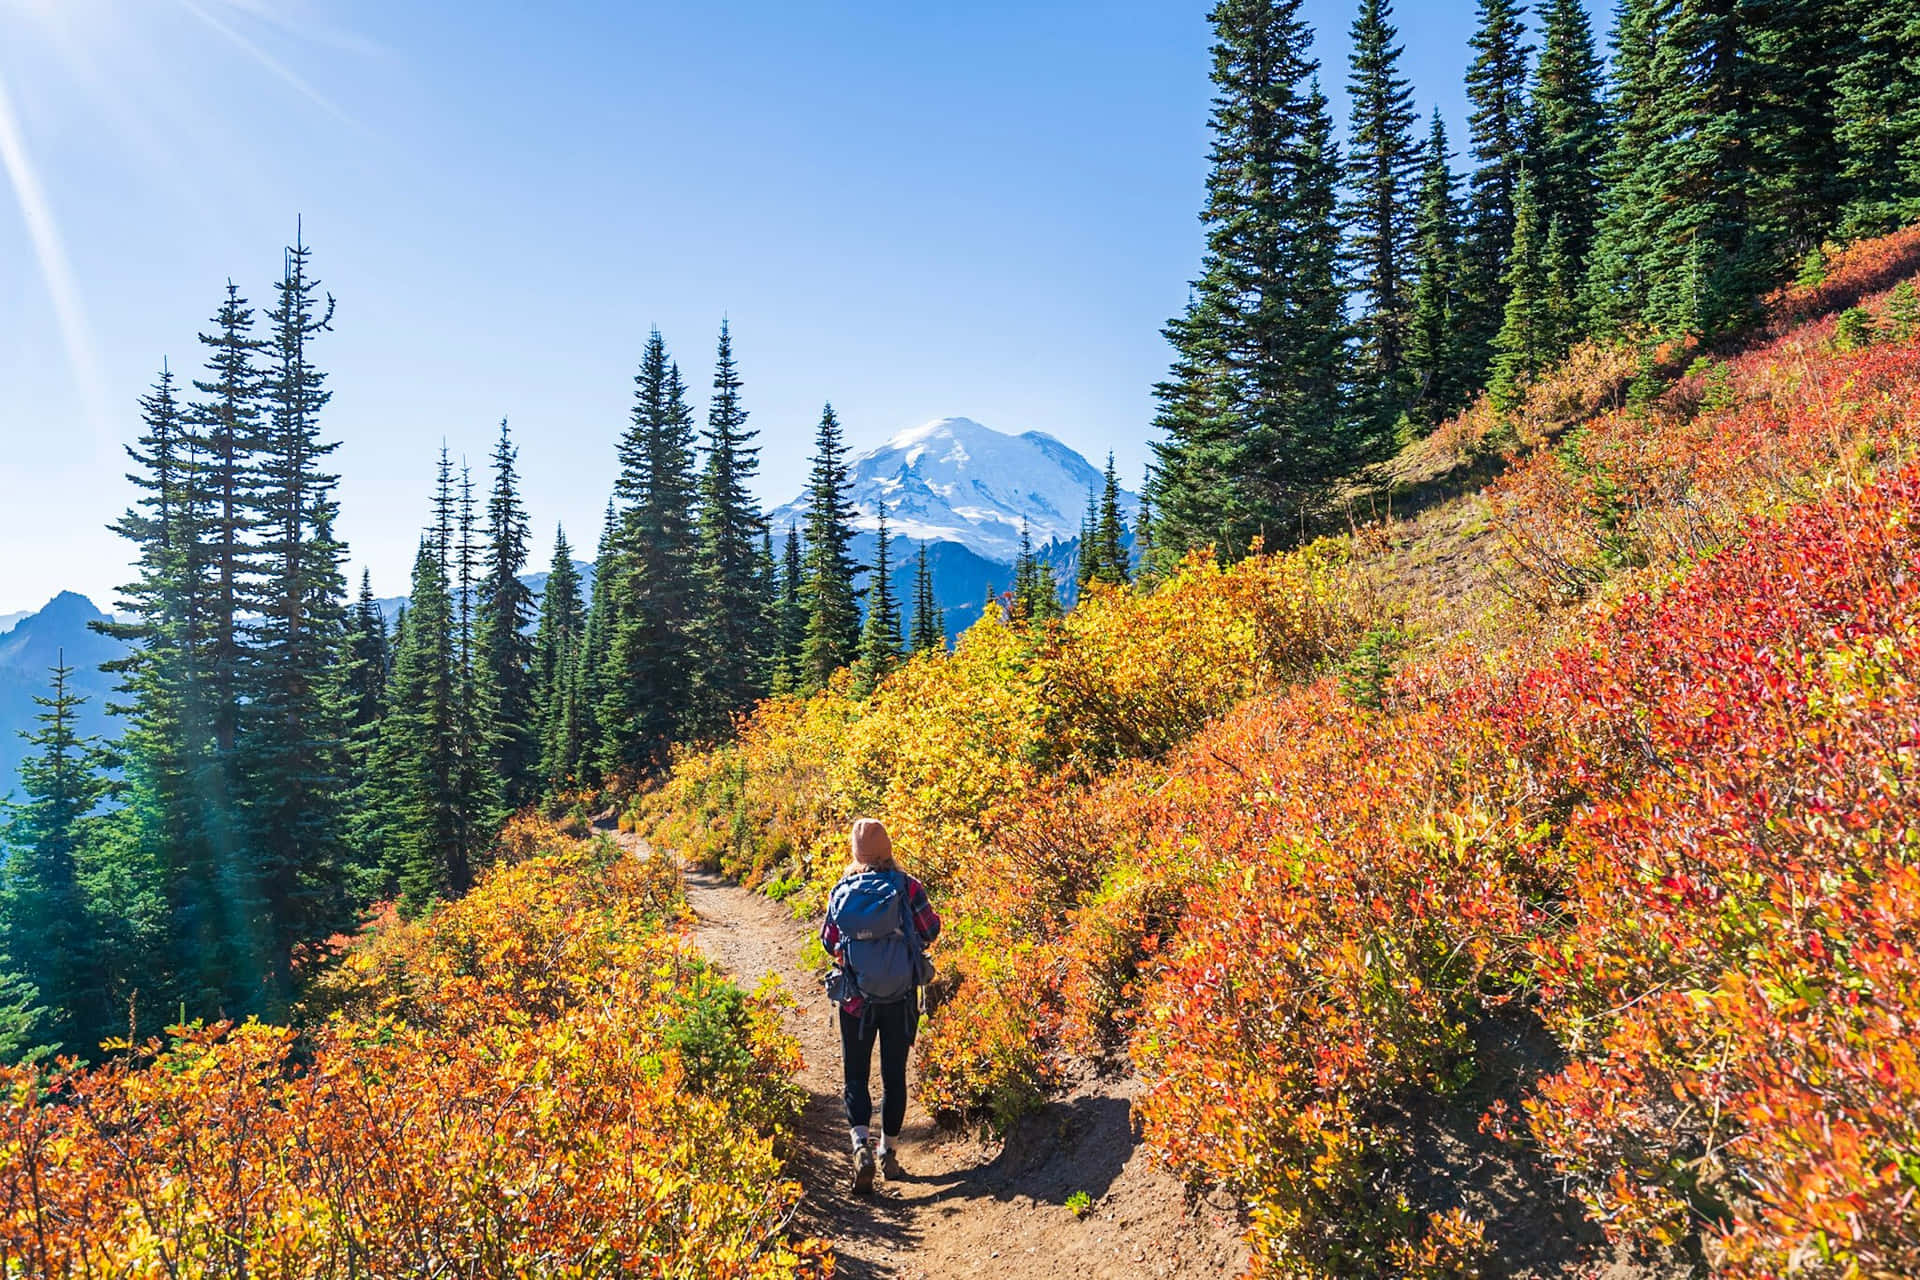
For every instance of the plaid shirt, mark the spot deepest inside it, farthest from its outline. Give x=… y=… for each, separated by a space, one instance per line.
x=925 y=920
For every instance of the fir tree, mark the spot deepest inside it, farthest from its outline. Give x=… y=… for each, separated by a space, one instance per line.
x=1567 y=121
x=224 y=934
x=1378 y=214
x=1036 y=596
x=1436 y=348
x=505 y=650
x=298 y=769
x=880 y=640
x=1252 y=410
x=929 y=629
x=732 y=616
x=594 y=676
x=1877 y=120
x=44 y=909
x=833 y=605
x=480 y=798
x=418 y=756
x=1528 y=333
x=791 y=616
x=1497 y=129
x=644 y=693
x=556 y=669
x=1108 y=534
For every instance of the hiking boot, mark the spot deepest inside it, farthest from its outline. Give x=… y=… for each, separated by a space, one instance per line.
x=863 y=1171
x=890 y=1165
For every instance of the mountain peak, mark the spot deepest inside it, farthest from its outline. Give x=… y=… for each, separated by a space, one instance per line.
x=957 y=480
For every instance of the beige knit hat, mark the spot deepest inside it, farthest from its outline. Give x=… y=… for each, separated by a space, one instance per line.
x=872 y=846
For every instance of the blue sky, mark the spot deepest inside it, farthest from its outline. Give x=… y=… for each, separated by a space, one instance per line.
x=913 y=210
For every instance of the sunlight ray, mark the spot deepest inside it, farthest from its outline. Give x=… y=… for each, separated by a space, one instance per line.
x=37 y=212
x=286 y=74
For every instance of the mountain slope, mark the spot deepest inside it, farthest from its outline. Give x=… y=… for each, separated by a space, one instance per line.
x=28 y=652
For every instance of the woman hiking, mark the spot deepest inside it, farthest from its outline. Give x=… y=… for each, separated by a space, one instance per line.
x=878 y=925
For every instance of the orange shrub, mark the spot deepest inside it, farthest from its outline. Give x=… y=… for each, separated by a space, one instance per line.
x=537 y=1080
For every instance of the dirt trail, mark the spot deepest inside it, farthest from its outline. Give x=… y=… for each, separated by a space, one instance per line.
x=964 y=1207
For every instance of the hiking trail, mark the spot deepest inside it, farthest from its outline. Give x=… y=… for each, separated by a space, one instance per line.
x=965 y=1206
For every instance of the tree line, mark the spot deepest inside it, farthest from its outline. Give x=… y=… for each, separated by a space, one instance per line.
x=1347 y=303
x=290 y=759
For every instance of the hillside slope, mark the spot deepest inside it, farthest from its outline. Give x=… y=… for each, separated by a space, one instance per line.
x=1552 y=836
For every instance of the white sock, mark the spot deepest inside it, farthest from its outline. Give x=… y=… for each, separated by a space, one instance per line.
x=885 y=1142
x=859 y=1136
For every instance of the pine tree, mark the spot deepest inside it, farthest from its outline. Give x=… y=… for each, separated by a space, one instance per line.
x=1036 y=596
x=791 y=616
x=505 y=650
x=732 y=615
x=224 y=935
x=1378 y=216
x=1252 y=412
x=1109 y=558
x=644 y=694
x=880 y=640
x=161 y=854
x=1143 y=531
x=595 y=677
x=418 y=755
x=43 y=907
x=298 y=772
x=1087 y=558
x=480 y=797
x=1497 y=129
x=556 y=669
x=1614 y=292
x=1528 y=333
x=1436 y=350
x=833 y=605
x=1568 y=127
x=368 y=659
x=929 y=629
x=1877 y=119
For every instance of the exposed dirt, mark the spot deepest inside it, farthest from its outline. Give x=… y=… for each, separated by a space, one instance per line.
x=967 y=1206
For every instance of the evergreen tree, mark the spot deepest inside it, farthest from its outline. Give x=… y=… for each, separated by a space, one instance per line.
x=644 y=694
x=418 y=755
x=367 y=659
x=1528 y=335
x=1143 y=530
x=732 y=617
x=833 y=605
x=1252 y=411
x=791 y=616
x=556 y=669
x=929 y=629
x=506 y=654
x=1036 y=596
x=480 y=797
x=1437 y=351
x=880 y=640
x=298 y=770
x=594 y=677
x=1378 y=214
x=162 y=856
x=1087 y=558
x=223 y=932
x=22 y=1018
x=44 y=910
x=1877 y=119
x=1108 y=559
x=1497 y=129
x=1567 y=120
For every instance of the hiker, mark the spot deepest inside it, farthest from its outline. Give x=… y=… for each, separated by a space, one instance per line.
x=878 y=925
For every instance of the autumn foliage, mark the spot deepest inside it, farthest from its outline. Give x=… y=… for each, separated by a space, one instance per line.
x=1293 y=865
x=539 y=1080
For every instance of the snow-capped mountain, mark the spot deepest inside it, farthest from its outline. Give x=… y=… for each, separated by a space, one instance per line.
x=953 y=480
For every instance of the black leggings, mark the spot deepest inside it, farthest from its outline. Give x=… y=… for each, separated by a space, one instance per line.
x=889 y=1023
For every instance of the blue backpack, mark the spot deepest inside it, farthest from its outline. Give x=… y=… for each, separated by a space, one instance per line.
x=884 y=961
